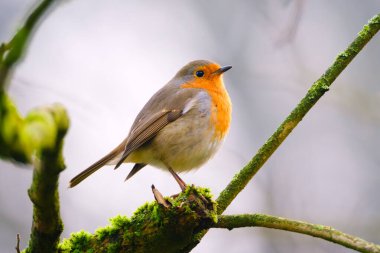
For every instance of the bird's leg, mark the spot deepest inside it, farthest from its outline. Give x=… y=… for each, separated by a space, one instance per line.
x=181 y=183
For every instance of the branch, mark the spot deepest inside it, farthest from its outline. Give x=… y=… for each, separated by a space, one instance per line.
x=153 y=227
x=317 y=90
x=37 y=139
x=47 y=224
x=11 y=52
x=320 y=231
x=17 y=248
x=22 y=138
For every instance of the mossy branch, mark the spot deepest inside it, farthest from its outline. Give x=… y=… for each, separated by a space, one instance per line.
x=153 y=227
x=317 y=90
x=320 y=231
x=47 y=224
x=37 y=139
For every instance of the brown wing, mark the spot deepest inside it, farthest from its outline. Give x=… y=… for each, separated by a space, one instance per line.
x=147 y=130
x=151 y=119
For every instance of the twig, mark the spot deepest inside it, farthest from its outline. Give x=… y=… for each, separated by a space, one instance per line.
x=320 y=231
x=18 y=243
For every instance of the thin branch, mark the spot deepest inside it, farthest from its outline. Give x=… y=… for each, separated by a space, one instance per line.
x=242 y=178
x=18 y=243
x=320 y=231
x=11 y=52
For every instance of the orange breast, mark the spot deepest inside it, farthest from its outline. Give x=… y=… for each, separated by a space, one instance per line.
x=220 y=101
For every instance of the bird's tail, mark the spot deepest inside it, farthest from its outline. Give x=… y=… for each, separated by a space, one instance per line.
x=87 y=172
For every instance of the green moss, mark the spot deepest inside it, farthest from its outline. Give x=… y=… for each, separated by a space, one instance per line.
x=120 y=221
x=113 y=248
x=78 y=242
x=152 y=228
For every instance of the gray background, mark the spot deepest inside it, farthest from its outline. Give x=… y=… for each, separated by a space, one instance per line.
x=104 y=59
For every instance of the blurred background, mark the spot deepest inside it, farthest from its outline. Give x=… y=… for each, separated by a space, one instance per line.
x=104 y=59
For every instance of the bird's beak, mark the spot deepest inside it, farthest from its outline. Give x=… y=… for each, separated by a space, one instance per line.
x=222 y=70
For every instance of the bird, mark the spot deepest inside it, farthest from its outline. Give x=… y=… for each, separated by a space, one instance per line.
x=180 y=128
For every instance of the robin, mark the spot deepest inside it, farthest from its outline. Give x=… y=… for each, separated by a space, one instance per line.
x=180 y=127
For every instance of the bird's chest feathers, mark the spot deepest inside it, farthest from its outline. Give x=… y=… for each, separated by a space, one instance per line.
x=220 y=111
x=220 y=106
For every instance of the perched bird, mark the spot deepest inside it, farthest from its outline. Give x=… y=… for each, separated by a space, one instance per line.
x=180 y=127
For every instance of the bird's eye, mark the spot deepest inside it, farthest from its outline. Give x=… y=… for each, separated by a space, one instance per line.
x=199 y=73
